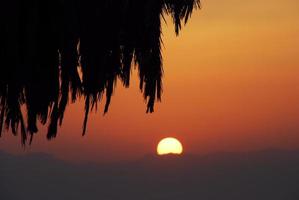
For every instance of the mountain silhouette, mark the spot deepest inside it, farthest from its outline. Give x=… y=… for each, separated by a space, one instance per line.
x=44 y=43
x=258 y=175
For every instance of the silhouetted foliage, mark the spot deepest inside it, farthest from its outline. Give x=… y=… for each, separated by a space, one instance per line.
x=44 y=43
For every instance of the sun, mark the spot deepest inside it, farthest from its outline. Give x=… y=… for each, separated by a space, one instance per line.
x=169 y=146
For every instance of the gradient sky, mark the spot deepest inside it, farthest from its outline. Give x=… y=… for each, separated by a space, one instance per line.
x=231 y=83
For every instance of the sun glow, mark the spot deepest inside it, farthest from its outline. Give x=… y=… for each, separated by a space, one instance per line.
x=169 y=146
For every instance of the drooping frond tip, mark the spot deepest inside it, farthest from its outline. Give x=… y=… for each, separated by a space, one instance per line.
x=180 y=10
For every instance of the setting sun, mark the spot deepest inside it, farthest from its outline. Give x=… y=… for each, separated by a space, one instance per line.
x=169 y=146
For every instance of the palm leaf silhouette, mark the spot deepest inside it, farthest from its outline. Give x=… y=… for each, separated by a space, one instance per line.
x=40 y=53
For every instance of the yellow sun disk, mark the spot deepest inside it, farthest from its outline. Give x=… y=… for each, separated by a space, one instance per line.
x=169 y=146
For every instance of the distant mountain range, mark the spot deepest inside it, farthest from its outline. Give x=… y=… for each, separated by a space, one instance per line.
x=263 y=175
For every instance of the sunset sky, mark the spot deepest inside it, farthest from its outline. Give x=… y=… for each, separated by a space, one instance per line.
x=231 y=83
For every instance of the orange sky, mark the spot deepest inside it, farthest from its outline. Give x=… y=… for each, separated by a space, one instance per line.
x=231 y=84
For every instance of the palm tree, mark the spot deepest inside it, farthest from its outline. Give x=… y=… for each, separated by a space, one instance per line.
x=40 y=55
